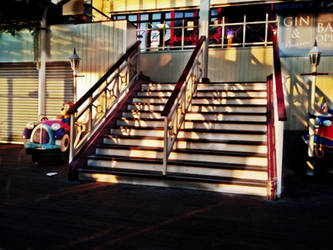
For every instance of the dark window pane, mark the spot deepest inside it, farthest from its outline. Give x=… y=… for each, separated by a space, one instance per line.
x=132 y=18
x=157 y=16
x=144 y=17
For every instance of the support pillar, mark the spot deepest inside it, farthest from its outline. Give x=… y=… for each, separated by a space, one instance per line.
x=42 y=69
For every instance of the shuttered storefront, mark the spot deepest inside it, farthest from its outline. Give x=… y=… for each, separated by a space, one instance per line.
x=19 y=95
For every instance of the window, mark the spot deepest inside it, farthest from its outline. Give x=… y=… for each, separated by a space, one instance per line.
x=228 y=27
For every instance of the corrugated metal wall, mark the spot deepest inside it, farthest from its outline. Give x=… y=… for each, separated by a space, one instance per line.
x=19 y=95
x=99 y=46
x=231 y=64
x=240 y=64
x=297 y=88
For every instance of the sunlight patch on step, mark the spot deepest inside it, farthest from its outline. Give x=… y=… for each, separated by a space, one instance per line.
x=105 y=178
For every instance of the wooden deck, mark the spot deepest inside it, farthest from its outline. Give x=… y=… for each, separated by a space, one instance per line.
x=42 y=212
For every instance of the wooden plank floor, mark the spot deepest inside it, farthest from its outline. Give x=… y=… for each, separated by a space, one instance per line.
x=41 y=212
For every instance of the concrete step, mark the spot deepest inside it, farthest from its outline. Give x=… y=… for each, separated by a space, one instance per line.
x=226 y=117
x=175 y=180
x=230 y=101
x=246 y=126
x=202 y=156
x=158 y=86
x=152 y=100
x=178 y=167
x=150 y=93
x=185 y=143
x=203 y=108
x=232 y=86
x=197 y=124
x=193 y=134
x=205 y=116
x=229 y=93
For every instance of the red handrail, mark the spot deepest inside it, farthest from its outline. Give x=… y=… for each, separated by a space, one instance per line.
x=182 y=78
x=271 y=149
x=278 y=78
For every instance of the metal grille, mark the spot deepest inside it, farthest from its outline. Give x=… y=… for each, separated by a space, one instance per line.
x=40 y=135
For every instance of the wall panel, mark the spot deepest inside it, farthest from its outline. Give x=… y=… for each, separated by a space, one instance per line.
x=297 y=88
x=232 y=64
x=99 y=46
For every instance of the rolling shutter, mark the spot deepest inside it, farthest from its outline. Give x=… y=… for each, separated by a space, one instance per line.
x=19 y=95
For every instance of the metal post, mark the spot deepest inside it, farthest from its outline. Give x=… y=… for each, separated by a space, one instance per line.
x=311 y=112
x=42 y=68
x=244 y=30
x=72 y=137
x=165 y=150
x=204 y=31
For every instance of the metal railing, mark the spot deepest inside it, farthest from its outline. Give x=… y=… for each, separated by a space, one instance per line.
x=275 y=124
x=175 y=109
x=221 y=35
x=89 y=112
x=238 y=34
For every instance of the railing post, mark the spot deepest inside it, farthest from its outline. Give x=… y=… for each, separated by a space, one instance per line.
x=72 y=138
x=90 y=121
x=166 y=146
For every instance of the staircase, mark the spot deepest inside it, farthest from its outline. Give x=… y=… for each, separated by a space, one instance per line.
x=222 y=146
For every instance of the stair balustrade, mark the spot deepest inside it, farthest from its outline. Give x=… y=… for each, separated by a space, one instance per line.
x=180 y=100
x=89 y=112
x=276 y=113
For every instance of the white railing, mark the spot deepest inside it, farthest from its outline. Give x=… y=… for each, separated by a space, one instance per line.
x=175 y=109
x=221 y=35
x=89 y=112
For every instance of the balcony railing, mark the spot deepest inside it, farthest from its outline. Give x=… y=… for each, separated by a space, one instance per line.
x=222 y=34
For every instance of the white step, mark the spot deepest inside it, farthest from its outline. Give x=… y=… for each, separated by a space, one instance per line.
x=205 y=157
x=203 y=108
x=219 y=93
x=190 y=134
x=154 y=93
x=229 y=101
x=232 y=86
x=158 y=182
x=190 y=124
x=142 y=115
x=145 y=107
x=158 y=86
x=140 y=123
x=150 y=100
x=224 y=117
x=181 y=144
x=229 y=109
x=182 y=169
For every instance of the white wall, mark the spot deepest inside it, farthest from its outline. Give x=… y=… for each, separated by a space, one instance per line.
x=99 y=46
x=230 y=64
x=297 y=88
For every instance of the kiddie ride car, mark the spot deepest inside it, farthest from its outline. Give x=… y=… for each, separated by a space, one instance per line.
x=47 y=135
x=323 y=138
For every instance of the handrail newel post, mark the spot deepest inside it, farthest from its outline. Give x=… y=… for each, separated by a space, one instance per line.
x=165 y=149
x=72 y=136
